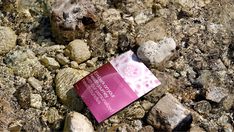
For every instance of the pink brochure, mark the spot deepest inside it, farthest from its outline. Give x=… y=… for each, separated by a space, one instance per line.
x=115 y=85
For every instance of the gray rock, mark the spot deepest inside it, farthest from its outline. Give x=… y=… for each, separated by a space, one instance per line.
x=216 y=94
x=76 y=122
x=50 y=63
x=65 y=79
x=203 y=107
x=35 y=101
x=169 y=114
x=35 y=83
x=74 y=64
x=7 y=39
x=70 y=19
x=154 y=53
x=62 y=59
x=78 y=51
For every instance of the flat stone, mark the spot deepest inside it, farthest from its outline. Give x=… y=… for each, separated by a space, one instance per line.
x=154 y=53
x=169 y=114
x=50 y=63
x=65 y=79
x=7 y=39
x=216 y=94
x=35 y=83
x=36 y=101
x=76 y=122
x=78 y=50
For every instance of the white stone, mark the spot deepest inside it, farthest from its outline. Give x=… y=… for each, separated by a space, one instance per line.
x=35 y=101
x=7 y=39
x=156 y=53
x=170 y=110
x=76 y=122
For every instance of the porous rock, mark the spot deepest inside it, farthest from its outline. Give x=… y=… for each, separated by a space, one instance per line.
x=154 y=53
x=76 y=122
x=71 y=18
x=7 y=39
x=78 y=51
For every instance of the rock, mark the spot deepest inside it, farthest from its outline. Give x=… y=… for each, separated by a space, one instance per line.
x=6 y=114
x=35 y=83
x=70 y=19
x=76 y=122
x=111 y=15
x=216 y=94
x=169 y=114
x=203 y=107
x=137 y=124
x=50 y=63
x=23 y=96
x=135 y=112
x=154 y=53
x=78 y=51
x=64 y=81
x=143 y=17
x=154 y=30
x=146 y=105
x=228 y=102
x=51 y=115
x=36 y=101
x=74 y=65
x=147 y=129
x=7 y=39
x=24 y=63
x=62 y=59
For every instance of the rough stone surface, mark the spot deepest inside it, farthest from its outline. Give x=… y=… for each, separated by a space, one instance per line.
x=70 y=19
x=76 y=122
x=203 y=107
x=135 y=112
x=62 y=59
x=35 y=101
x=154 y=53
x=52 y=115
x=78 y=51
x=24 y=63
x=50 y=63
x=35 y=83
x=147 y=129
x=65 y=79
x=216 y=94
x=154 y=30
x=7 y=39
x=171 y=112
